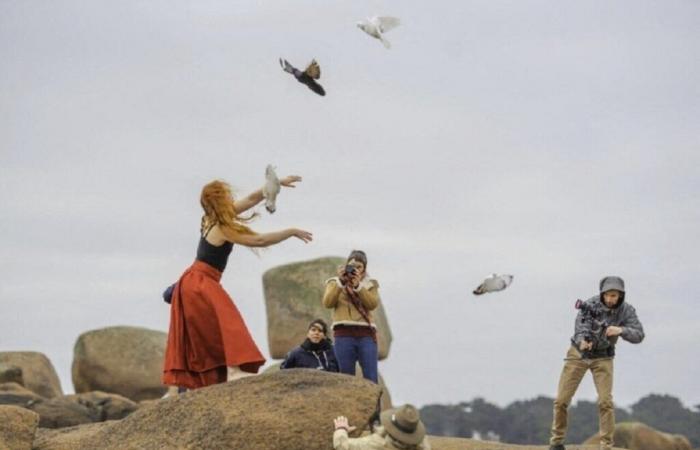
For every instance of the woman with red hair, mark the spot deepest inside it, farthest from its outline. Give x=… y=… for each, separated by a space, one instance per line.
x=208 y=341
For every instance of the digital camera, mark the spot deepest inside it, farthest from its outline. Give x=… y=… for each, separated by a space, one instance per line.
x=350 y=270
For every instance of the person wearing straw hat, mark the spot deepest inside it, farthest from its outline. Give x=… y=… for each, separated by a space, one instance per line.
x=400 y=429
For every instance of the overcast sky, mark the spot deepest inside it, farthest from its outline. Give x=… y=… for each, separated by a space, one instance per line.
x=557 y=141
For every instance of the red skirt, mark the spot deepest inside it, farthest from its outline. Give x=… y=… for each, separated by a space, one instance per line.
x=207 y=333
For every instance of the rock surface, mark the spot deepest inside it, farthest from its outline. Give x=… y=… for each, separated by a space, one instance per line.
x=60 y=412
x=17 y=395
x=38 y=373
x=638 y=436
x=122 y=360
x=386 y=396
x=17 y=428
x=69 y=410
x=11 y=374
x=291 y=410
x=450 y=443
x=104 y=406
x=293 y=295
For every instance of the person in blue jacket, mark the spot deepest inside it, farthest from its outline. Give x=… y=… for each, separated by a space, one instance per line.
x=316 y=352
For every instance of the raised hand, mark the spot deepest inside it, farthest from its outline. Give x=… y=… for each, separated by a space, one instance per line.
x=303 y=235
x=356 y=278
x=289 y=181
x=341 y=422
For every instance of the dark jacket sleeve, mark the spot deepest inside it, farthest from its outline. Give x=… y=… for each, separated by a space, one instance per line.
x=290 y=361
x=332 y=361
x=632 y=330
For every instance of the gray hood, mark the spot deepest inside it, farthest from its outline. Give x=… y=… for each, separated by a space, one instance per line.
x=610 y=283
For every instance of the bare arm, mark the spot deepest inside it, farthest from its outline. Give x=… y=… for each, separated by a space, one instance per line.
x=266 y=239
x=256 y=197
x=248 y=202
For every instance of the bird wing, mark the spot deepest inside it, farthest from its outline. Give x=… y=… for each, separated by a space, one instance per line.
x=313 y=70
x=386 y=23
x=317 y=88
x=286 y=66
x=270 y=194
x=507 y=279
x=491 y=284
x=271 y=189
x=272 y=183
x=271 y=175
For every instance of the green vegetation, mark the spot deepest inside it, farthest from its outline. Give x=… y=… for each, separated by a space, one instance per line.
x=528 y=422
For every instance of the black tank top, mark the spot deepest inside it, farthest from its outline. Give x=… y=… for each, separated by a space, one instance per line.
x=216 y=257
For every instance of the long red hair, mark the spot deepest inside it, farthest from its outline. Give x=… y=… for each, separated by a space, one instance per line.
x=217 y=203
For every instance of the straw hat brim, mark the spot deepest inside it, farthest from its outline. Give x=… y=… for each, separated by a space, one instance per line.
x=407 y=438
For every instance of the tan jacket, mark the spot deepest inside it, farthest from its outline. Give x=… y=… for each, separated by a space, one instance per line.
x=379 y=440
x=343 y=310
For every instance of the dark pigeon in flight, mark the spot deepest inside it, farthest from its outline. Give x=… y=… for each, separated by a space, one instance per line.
x=308 y=76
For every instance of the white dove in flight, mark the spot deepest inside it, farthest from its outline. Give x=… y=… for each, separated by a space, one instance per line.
x=271 y=189
x=494 y=283
x=376 y=27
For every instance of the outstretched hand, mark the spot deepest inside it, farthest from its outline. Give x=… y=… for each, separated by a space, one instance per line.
x=289 y=181
x=303 y=235
x=341 y=422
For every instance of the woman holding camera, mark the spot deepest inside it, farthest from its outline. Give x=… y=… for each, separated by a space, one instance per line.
x=208 y=341
x=353 y=295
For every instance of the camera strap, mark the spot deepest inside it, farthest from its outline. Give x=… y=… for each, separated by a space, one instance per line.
x=357 y=303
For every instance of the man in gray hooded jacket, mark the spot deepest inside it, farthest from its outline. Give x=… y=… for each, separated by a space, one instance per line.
x=600 y=321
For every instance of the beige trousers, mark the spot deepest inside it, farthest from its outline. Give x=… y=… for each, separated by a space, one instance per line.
x=574 y=370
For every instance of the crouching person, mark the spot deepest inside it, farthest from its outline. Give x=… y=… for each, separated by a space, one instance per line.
x=400 y=429
x=316 y=352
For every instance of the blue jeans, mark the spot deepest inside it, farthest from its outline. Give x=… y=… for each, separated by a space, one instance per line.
x=350 y=350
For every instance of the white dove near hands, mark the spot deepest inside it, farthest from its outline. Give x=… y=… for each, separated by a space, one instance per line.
x=376 y=27
x=271 y=189
x=494 y=283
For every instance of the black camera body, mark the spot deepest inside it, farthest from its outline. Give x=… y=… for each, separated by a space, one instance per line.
x=593 y=316
x=589 y=311
x=350 y=270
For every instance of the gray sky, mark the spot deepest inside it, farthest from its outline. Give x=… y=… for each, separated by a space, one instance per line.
x=557 y=141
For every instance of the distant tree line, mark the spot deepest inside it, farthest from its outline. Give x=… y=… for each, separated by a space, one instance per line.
x=528 y=422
